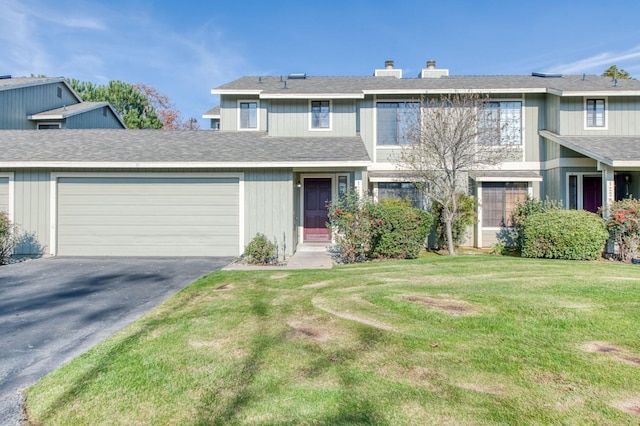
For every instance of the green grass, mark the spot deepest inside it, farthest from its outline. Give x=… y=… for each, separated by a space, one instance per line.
x=439 y=340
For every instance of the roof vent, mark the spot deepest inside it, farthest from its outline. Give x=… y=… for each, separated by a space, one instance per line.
x=5 y=77
x=546 y=75
x=297 y=76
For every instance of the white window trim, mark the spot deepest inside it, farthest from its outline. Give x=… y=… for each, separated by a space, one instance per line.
x=48 y=124
x=10 y=195
x=579 y=188
x=320 y=129
x=53 y=196
x=243 y=101
x=606 y=113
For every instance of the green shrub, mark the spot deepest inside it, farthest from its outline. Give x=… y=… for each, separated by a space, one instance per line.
x=564 y=234
x=399 y=231
x=624 y=224
x=260 y=251
x=352 y=219
x=468 y=216
x=519 y=216
x=8 y=238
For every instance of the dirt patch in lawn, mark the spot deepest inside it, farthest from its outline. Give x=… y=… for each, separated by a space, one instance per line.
x=225 y=287
x=449 y=306
x=320 y=304
x=615 y=352
x=631 y=406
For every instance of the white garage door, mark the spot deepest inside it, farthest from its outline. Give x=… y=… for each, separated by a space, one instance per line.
x=4 y=194
x=151 y=216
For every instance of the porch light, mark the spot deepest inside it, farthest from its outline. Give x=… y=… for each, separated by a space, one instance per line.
x=298 y=185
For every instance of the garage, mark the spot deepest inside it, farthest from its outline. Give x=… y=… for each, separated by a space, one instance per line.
x=147 y=215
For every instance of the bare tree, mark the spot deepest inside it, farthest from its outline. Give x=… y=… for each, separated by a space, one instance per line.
x=450 y=136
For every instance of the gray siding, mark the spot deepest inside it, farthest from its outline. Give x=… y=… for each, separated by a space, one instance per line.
x=4 y=194
x=17 y=104
x=31 y=210
x=269 y=207
x=229 y=112
x=623 y=117
x=93 y=120
x=553 y=114
x=367 y=125
x=143 y=216
x=534 y=119
x=291 y=118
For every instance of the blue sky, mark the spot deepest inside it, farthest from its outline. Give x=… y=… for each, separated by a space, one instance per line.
x=185 y=48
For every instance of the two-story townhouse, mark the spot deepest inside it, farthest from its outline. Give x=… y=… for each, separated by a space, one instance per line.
x=50 y=103
x=288 y=145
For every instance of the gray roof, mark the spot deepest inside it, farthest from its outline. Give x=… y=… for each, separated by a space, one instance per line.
x=212 y=113
x=615 y=151
x=17 y=82
x=358 y=85
x=68 y=110
x=166 y=146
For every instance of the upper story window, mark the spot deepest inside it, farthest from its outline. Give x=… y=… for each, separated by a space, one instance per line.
x=248 y=115
x=320 y=115
x=595 y=113
x=502 y=121
x=394 y=120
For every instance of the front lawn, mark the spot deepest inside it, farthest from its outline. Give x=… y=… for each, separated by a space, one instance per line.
x=439 y=340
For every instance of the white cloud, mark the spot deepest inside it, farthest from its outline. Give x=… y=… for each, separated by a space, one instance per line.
x=629 y=59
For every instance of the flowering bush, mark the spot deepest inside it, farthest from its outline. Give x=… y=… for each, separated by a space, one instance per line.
x=624 y=224
x=8 y=237
x=352 y=218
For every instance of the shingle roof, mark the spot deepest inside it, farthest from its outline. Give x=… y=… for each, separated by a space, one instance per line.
x=611 y=150
x=68 y=111
x=17 y=82
x=359 y=85
x=145 y=146
x=212 y=113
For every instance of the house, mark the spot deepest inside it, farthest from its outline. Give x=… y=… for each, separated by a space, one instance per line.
x=44 y=103
x=288 y=144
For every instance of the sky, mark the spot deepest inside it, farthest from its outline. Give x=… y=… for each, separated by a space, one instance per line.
x=186 y=48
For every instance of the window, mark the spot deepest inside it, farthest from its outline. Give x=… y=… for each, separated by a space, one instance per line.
x=59 y=92
x=394 y=120
x=342 y=185
x=248 y=115
x=501 y=123
x=48 y=126
x=402 y=190
x=595 y=113
x=320 y=115
x=499 y=199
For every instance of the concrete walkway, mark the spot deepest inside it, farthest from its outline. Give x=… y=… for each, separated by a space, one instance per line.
x=307 y=256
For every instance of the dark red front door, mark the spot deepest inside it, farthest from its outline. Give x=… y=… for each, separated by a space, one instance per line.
x=592 y=193
x=317 y=194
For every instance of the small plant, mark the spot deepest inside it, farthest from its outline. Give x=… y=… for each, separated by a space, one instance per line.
x=260 y=251
x=624 y=224
x=8 y=238
x=564 y=234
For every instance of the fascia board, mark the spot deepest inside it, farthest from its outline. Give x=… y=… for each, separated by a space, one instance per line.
x=235 y=92
x=596 y=93
x=180 y=165
x=312 y=96
x=448 y=91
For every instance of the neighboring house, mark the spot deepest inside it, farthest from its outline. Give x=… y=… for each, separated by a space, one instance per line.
x=288 y=145
x=213 y=115
x=50 y=103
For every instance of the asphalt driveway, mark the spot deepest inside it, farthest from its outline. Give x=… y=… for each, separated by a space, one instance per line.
x=53 y=309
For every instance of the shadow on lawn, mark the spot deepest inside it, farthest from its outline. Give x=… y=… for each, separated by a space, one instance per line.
x=352 y=408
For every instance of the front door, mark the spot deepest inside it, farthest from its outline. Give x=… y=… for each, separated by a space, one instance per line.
x=317 y=194
x=592 y=193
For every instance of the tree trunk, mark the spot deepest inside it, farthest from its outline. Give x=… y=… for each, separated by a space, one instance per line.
x=449 y=224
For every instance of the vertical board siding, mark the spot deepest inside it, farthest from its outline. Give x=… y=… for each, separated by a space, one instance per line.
x=290 y=118
x=553 y=114
x=31 y=210
x=18 y=104
x=229 y=112
x=534 y=119
x=367 y=125
x=4 y=194
x=269 y=206
x=93 y=120
x=623 y=117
